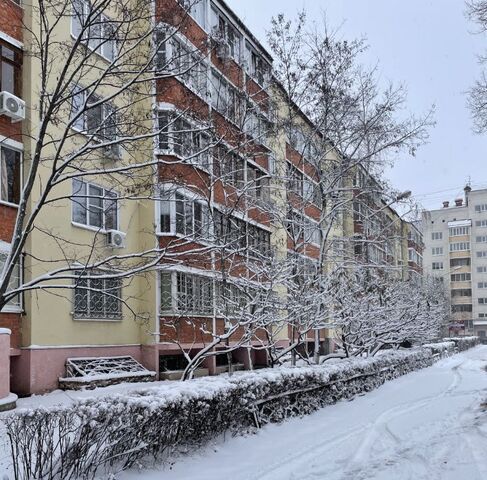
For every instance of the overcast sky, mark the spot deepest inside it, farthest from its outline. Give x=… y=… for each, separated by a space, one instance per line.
x=428 y=45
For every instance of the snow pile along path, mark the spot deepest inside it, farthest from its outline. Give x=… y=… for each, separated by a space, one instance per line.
x=428 y=424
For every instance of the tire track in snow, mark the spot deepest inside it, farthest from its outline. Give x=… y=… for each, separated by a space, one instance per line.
x=304 y=456
x=380 y=429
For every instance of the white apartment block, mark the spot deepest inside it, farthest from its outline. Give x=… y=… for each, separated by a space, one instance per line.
x=455 y=238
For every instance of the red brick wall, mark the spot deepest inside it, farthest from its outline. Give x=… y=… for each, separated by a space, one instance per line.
x=9 y=129
x=12 y=321
x=11 y=19
x=7 y=222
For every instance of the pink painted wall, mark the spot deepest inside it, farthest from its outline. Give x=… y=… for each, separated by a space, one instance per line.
x=38 y=370
x=4 y=362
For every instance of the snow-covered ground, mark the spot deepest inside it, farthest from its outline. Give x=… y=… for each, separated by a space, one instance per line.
x=426 y=425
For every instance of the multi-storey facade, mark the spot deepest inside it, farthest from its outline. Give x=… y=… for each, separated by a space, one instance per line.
x=232 y=189
x=229 y=189
x=380 y=234
x=11 y=151
x=415 y=245
x=455 y=239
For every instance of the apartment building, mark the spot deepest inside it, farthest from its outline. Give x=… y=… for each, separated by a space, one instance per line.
x=378 y=233
x=455 y=239
x=11 y=149
x=227 y=190
x=415 y=244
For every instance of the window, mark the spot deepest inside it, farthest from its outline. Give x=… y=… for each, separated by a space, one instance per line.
x=437 y=265
x=461 y=308
x=302 y=228
x=225 y=98
x=311 y=191
x=436 y=235
x=459 y=231
x=461 y=277
x=256 y=66
x=257 y=183
x=230 y=231
x=180 y=137
x=481 y=239
x=191 y=217
x=482 y=285
x=256 y=124
x=481 y=223
x=482 y=269
x=461 y=292
x=171 y=363
x=482 y=254
x=414 y=256
x=460 y=262
x=196 y=8
x=94 y=206
x=10 y=171
x=100 y=34
x=228 y=166
x=180 y=214
x=188 y=64
x=97 y=296
x=224 y=31
x=258 y=239
x=437 y=251
x=94 y=117
x=15 y=304
x=481 y=208
x=482 y=301
x=459 y=246
x=482 y=315
x=10 y=69
x=294 y=179
x=193 y=293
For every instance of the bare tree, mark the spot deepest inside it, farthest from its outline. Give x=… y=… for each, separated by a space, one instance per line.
x=477 y=95
x=339 y=119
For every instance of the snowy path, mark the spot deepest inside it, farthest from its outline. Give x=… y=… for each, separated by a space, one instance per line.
x=425 y=425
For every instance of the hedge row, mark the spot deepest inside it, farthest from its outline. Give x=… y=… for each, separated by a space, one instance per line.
x=96 y=435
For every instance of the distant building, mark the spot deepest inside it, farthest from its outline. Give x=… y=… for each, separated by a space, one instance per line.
x=456 y=251
x=415 y=246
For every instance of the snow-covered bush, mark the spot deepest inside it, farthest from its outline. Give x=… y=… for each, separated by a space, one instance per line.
x=76 y=441
x=463 y=343
x=443 y=349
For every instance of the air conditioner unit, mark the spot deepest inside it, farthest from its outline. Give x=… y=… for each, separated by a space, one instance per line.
x=12 y=106
x=116 y=239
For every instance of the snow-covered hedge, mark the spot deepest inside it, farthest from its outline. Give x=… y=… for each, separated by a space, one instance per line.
x=77 y=441
x=463 y=343
x=443 y=349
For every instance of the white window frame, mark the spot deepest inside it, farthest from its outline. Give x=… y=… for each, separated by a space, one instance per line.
x=17 y=307
x=437 y=251
x=104 y=199
x=90 y=316
x=79 y=107
x=103 y=46
x=460 y=247
x=190 y=7
x=220 y=97
x=18 y=148
x=203 y=159
x=169 y=195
